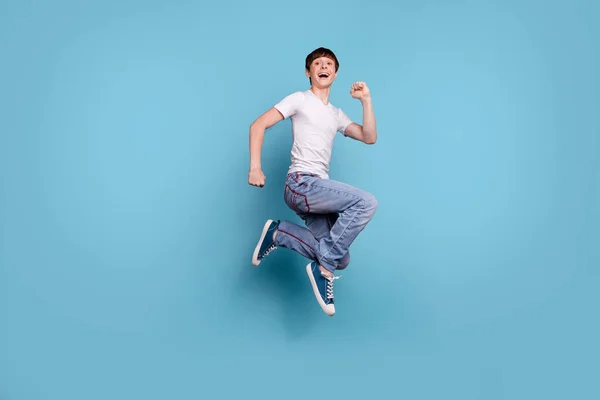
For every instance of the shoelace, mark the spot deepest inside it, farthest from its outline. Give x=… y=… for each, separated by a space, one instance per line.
x=268 y=250
x=330 y=280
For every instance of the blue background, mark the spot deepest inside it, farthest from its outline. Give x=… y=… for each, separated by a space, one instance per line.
x=127 y=224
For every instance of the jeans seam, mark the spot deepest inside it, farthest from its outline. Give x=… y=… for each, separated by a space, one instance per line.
x=298 y=239
x=358 y=213
x=288 y=193
x=295 y=193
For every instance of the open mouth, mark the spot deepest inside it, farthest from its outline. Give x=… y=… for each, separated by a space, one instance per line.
x=323 y=75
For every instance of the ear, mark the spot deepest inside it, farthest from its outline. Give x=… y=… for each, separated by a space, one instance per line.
x=307 y=72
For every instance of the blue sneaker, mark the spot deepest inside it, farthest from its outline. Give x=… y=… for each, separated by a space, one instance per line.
x=322 y=286
x=266 y=244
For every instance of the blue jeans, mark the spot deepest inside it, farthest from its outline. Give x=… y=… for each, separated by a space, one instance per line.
x=334 y=214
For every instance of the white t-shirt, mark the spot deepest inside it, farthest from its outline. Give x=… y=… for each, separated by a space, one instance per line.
x=314 y=126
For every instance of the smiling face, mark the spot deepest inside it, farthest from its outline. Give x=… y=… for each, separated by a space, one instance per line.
x=321 y=67
x=322 y=72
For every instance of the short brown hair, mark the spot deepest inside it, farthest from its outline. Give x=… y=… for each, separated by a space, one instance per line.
x=321 y=52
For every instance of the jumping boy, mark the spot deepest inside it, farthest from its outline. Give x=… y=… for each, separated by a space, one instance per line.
x=334 y=212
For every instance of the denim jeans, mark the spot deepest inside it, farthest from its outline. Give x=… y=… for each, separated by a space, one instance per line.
x=334 y=214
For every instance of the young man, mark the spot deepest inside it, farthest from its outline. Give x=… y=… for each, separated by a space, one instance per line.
x=334 y=212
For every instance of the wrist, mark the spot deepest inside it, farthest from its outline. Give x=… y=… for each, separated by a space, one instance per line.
x=366 y=100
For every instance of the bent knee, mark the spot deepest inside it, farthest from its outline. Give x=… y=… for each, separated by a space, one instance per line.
x=370 y=203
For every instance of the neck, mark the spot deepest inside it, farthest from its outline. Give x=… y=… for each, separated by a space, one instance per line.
x=321 y=93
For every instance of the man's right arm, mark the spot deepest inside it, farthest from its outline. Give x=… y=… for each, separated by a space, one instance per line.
x=257 y=134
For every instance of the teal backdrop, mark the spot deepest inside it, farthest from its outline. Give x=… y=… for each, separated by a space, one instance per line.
x=127 y=224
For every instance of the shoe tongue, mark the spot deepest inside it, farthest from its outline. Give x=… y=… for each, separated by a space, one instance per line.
x=327 y=276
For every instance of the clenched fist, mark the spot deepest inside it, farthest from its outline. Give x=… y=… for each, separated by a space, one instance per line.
x=359 y=90
x=256 y=177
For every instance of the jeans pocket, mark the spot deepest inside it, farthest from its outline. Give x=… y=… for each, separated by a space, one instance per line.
x=295 y=200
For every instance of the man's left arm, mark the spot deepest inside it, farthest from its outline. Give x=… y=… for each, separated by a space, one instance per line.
x=367 y=132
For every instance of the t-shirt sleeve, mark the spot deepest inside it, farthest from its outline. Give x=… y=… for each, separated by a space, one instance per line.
x=343 y=121
x=290 y=104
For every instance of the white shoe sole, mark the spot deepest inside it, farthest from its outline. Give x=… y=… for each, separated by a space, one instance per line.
x=329 y=309
x=255 y=260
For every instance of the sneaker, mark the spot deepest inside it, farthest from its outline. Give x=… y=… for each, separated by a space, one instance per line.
x=265 y=244
x=322 y=286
